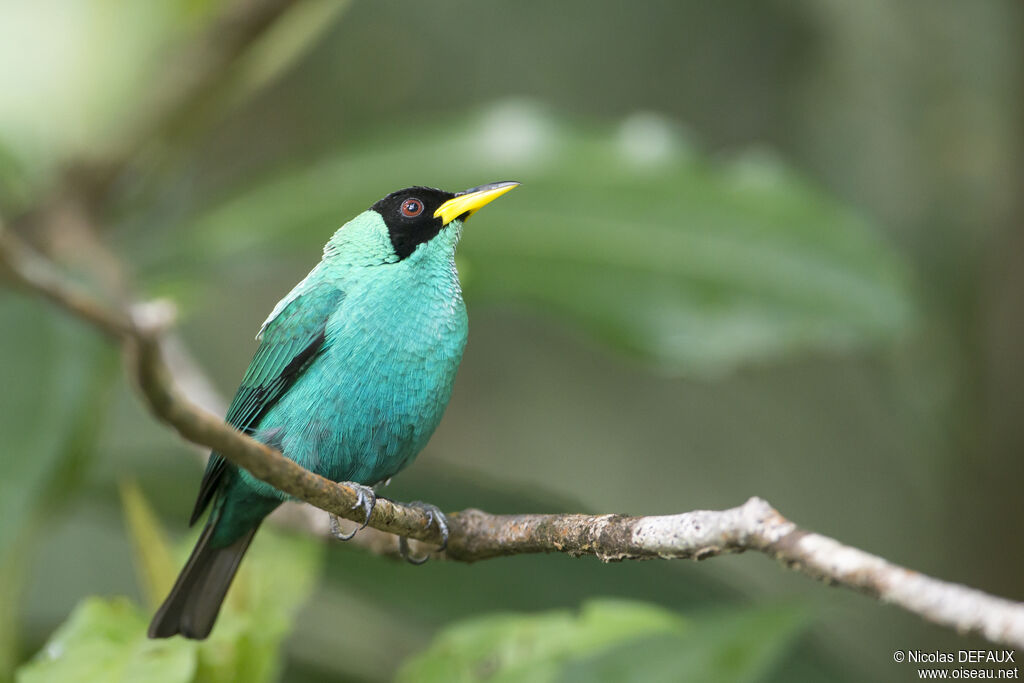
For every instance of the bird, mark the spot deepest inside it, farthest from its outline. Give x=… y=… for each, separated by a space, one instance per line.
x=353 y=371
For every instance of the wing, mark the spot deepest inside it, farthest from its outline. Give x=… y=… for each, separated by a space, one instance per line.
x=289 y=341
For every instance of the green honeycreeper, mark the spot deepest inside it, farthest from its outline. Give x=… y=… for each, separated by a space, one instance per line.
x=352 y=374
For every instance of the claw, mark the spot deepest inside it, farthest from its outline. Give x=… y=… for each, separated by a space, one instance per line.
x=336 y=529
x=434 y=516
x=366 y=498
x=403 y=550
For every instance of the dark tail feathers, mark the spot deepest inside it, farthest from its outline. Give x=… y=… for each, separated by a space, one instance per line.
x=193 y=603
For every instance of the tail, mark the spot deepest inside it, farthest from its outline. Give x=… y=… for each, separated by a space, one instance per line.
x=194 y=602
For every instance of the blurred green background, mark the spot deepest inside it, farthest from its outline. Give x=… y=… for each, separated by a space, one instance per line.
x=761 y=248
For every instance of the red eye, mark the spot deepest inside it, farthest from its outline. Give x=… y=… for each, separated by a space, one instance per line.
x=412 y=208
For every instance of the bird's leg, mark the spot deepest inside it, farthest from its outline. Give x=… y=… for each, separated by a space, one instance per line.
x=366 y=498
x=434 y=516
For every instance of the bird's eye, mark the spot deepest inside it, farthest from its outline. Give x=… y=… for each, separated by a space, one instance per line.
x=412 y=208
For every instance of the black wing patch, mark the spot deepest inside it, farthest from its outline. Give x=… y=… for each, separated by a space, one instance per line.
x=289 y=343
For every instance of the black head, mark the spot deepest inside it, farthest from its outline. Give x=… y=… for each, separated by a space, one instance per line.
x=409 y=215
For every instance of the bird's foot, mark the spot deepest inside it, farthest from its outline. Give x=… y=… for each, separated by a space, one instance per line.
x=434 y=516
x=366 y=498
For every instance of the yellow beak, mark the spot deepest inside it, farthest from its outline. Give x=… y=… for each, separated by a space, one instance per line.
x=467 y=203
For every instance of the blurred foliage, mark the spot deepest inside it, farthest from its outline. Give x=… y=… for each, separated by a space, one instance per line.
x=154 y=561
x=104 y=640
x=600 y=644
x=65 y=369
x=82 y=83
x=832 y=238
x=695 y=265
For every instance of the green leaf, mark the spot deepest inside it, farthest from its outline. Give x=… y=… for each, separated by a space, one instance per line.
x=276 y=577
x=153 y=556
x=609 y=640
x=105 y=641
x=510 y=647
x=730 y=647
x=692 y=263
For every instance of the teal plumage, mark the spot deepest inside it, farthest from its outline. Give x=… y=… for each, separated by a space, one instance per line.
x=352 y=375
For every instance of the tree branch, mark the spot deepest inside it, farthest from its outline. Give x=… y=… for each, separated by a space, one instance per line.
x=477 y=535
x=36 y=273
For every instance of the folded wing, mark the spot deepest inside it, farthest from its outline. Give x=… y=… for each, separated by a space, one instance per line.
x=289 y=342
